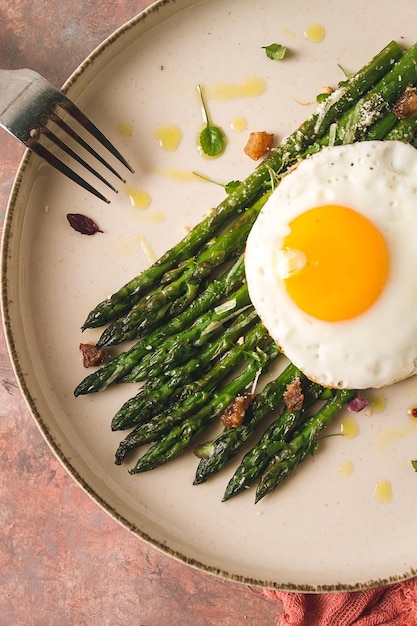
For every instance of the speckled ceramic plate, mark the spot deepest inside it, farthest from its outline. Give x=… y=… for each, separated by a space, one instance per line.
x=326 y=528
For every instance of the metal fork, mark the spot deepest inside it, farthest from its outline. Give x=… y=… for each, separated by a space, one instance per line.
x=28 y=101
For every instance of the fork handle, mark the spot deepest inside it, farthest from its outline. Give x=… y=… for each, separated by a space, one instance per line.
x=24 y=96
x=13 y=83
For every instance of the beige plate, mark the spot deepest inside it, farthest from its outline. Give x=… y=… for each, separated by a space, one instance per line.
x=324 y=529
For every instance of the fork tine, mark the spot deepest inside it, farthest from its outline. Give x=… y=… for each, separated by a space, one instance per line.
x=27 y=100
x=45 y=131
x=45 y=154
x=77 y=114
x=71 y=132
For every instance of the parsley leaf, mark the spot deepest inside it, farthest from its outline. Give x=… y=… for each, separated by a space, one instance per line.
x=414 y=464
x=275 y=51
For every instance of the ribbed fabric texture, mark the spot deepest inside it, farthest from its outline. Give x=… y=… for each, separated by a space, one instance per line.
x=395 y=605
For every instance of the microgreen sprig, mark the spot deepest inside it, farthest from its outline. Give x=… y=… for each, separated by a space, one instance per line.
x=212 y=139
x=228 y=187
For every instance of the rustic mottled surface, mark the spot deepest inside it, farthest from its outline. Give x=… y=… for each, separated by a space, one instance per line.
x=62 y=560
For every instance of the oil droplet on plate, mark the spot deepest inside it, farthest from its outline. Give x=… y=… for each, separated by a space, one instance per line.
x=239 y=124
x=349 y=427
x=390 y=436
x=249 y=88
x=139 y=198
x=169 y=137
x=383 y=491
x=378 y=404
x=315 y=33
x=178 y=175
x=288 y=32
x=346 y=468
x=125 y=129
x=156 y=218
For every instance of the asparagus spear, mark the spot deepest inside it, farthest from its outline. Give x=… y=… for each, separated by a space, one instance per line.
x=186 y=356
x=185 y=432
x=304 y=443
x=272 y=442
x=243 y=196
x=196 y=393
x=207 y=303
x=385 y=127
x=370 y=117
x=405 y=131
x=181 y=346
x=161 y=389
x=226 y=445
x=147 y=314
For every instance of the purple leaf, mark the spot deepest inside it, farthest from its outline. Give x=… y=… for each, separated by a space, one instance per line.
x=83 y=224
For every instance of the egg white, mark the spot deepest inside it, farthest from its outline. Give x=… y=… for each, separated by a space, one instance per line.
x=378 y=347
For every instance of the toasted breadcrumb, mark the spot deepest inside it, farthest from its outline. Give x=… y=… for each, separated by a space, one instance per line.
x=92 y=355
x=234 y=414
x=293 y=396
x=258 y=144
x=406 y=106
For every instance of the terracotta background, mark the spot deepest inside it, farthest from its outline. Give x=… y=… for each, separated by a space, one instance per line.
x=62 y=560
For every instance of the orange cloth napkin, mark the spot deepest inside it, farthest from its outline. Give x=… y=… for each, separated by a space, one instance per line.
x=395 y=605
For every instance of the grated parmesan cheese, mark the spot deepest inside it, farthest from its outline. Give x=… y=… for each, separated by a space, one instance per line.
x=326 y=105
x=149 y=253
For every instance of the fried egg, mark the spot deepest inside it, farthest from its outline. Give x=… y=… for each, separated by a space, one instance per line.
x=331 y=265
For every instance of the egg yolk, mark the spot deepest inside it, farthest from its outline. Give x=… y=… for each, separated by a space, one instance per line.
x=338 y=262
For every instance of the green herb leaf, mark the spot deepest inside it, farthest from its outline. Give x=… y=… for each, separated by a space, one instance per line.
x=414 y=464
x=232 y=185
x=228 y=187
x=321 y=97
x=212 y=139
x=275 y=51
x=345 y=72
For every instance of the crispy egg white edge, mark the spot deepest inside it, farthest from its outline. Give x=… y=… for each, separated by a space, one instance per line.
x=379 y=347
